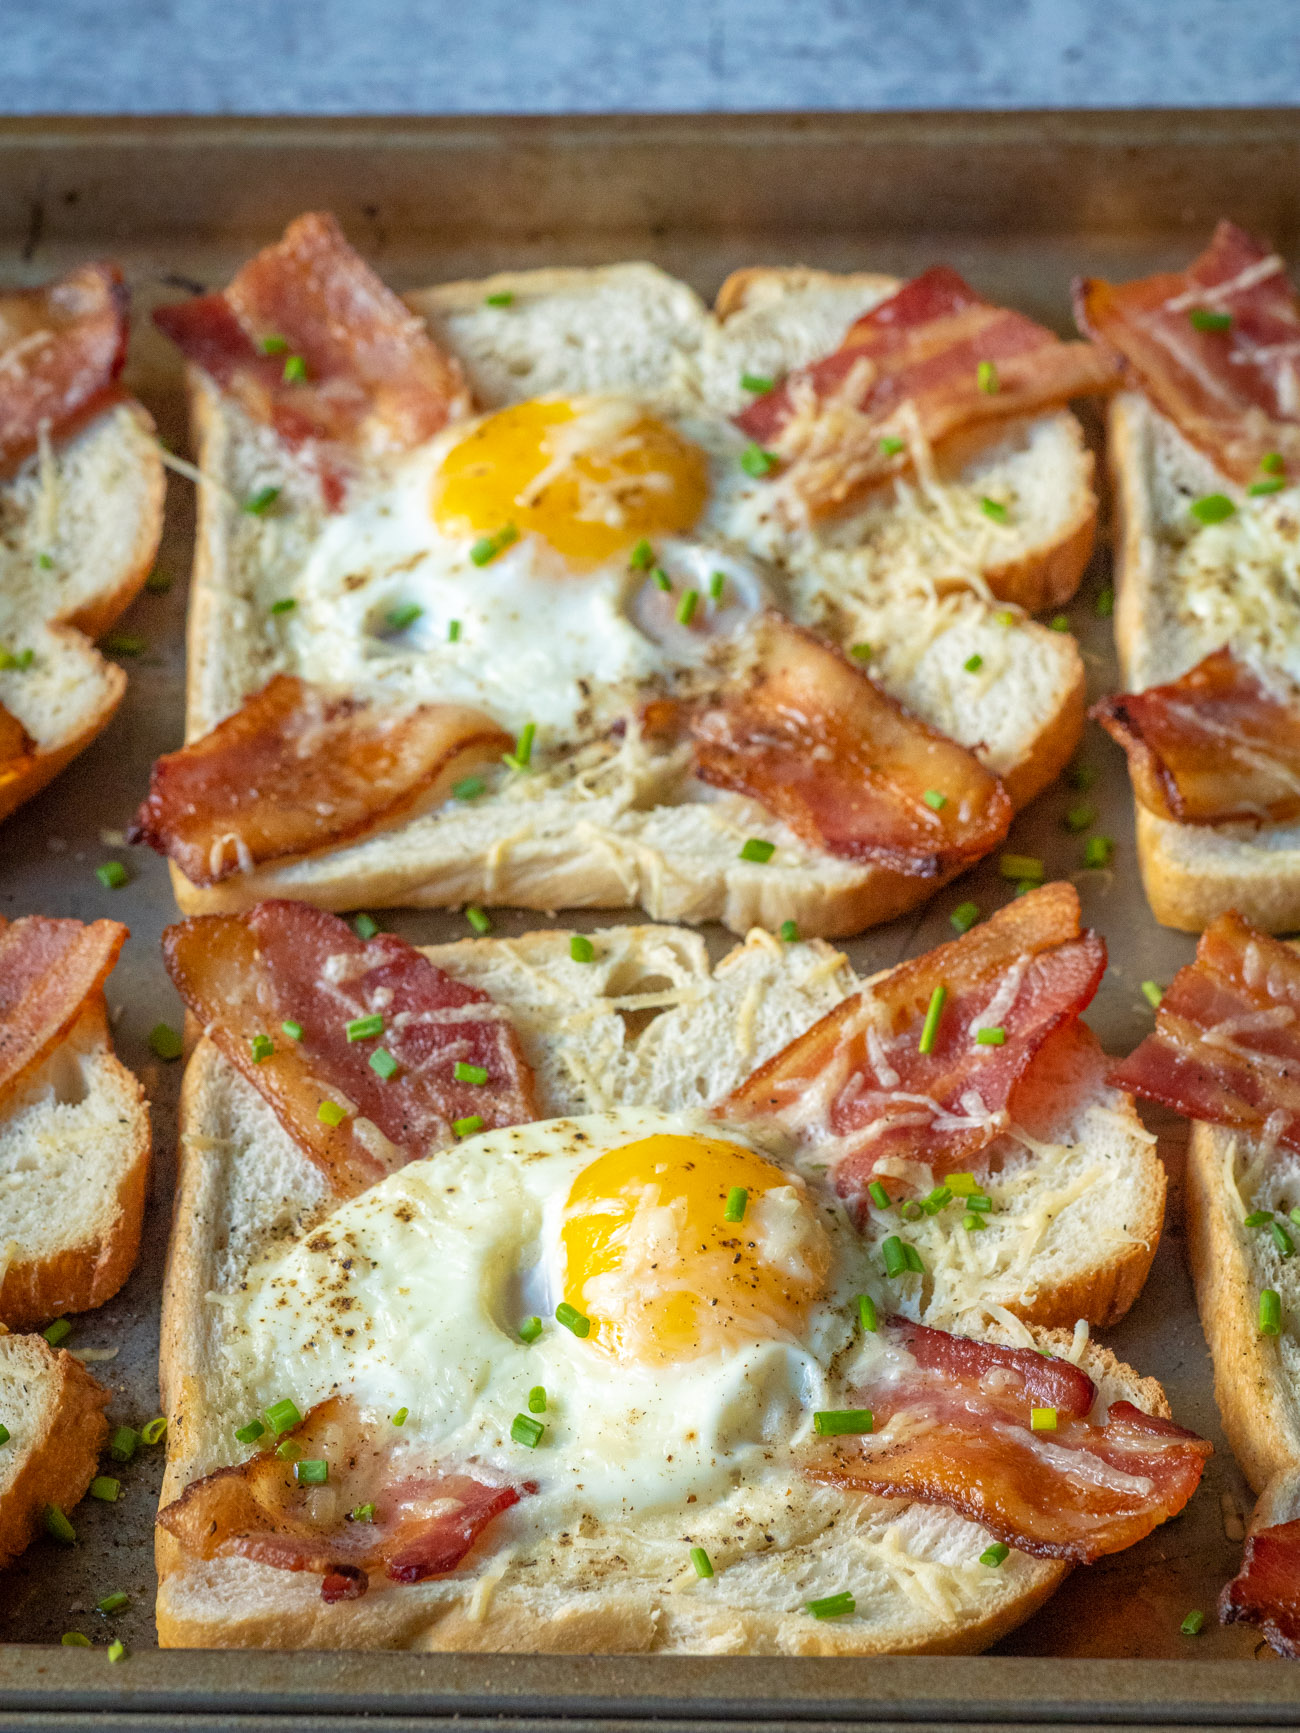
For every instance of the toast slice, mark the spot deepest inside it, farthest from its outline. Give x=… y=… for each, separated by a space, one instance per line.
x=916 y=573
x=79 y=527
x=1079 y=1203
x=1181 y=593
x=54 y=1412
x=74 y=1167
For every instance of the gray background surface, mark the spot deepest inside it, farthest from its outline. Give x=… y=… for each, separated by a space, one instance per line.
x=543 y=56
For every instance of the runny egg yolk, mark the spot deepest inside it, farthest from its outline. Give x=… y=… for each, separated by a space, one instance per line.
x=591 y=476
x=651 y=1260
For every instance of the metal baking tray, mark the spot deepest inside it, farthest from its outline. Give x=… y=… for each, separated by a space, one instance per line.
x=1017 y=202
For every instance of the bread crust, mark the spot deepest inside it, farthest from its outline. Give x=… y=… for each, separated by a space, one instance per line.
x=60 y=1461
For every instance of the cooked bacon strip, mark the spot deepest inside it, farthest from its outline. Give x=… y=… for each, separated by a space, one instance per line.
x=910 y=369
x=1266 y=1590
x=48 y=970
x=61 y=349
x=1235 y=393
x=957 y=1432
x=1220 y=744
x=821 y=746
x=1226 y=1045
x=857 y=1084
x=245 y=975
x=424 y=1523
x=375 y=379
x=296 y=769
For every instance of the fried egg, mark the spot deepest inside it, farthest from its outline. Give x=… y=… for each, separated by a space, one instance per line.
x=701 y=1349
x=534 y=563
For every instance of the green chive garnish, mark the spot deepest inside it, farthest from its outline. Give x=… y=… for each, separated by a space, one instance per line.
x=453 y=631
x=124 y=1443
x=912 y=1258
x=910 y=1210
x=273 y=345
x=383 y=1064
x=842 y=1422
x=993 y=1037
x=1079 y=817
x=1273 y=463
x=1098 y=852
x=581 y=949
x=1206 y=319
x=466 y=1073
x=642 y=556
x=832 y=1606
x=934 y=800
x=977 y=1201
x=330 y=1113
x=525 y=1430
x=5 y=1434
x=1082 y=776
x=1192 y=1624
x=891 y=1249
x=537 y=1400
x=878 y=1195
x=703 y=1564
x=891 y=445
x=292 y=1030
x=530 y=1329
x=986 y=377
x=572 y=1319
x=105 y=1489
x=468 y=788
x=965 y=916
x=1258 y=489
x=1153 y=993
x=401 y=1417
x=365 y=926
x=1282 y=1240
x=285 y=605
x=362 y=1513
x=867 y=1318
x=251 y=1433
x=717 y=584
x=994 y=1555
x=1212 y=508
x=486 y=548
x=972 y=1223
x=295 y=369
x=938 y=1199
x=756 y=382
x=1059 y=623
x=58 y=1526
x=75 y=1640
x=737 y=1199
x=994 y=509
x=1258 y=1218
x=311 y=1471
x=861 y=652
x=790 y=932
x=363 y=1028
x=502 y=298
x=757 y=850
x=398 y=619
x=661 y=578
x=687 y=606
x=46 y=563
x=281 y=1415
x=757 y=462
x=259 y=503
x=522 y=755
x=261 y=1047
x=934 y=1012
x=468 y=1126
x=1005 y=617
x=112 y=875
x=113 y=1603
x=165 y=1042
x=57 y=1332
x=962 y=1184
x=974 y=663
x=477 y=919
x=1022 y=866
x=23 y=660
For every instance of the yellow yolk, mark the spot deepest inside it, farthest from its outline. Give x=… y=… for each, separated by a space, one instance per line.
x=650 y=1258
x=591 y=476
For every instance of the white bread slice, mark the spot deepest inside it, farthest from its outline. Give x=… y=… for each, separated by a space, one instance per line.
x=74 y=1166
x=54 y=1411
x=243 y=1184
x=1163 y=627
x=91 y=505
x=613 y=826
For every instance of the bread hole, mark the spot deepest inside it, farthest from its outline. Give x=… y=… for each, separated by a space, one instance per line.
x=625 y=982
x=65 y=1076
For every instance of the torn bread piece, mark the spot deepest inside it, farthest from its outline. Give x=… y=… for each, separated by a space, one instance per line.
x=52 y=1412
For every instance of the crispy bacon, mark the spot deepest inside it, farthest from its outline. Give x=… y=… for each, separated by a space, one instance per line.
x=1234 y=392
x=1226 y=1045
x=374 y=378
x=821 y=746
x=910 y=369
x=424 y=1524
x=61 y=349
x=48 y=970
x=296 y=769
x=956 y=1431
x=1218 y=745
x=244 y=976
x=857 y=1082
x=1266 y=1590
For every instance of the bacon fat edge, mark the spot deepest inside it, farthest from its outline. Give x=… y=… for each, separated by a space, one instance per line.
x=49 y=969
x=62 y=348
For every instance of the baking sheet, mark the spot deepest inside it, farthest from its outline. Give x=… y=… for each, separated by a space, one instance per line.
x=1017 y=202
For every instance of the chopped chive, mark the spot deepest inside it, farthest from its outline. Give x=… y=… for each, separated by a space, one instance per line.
x=934 y=800
x=522 y=756
x=477 y=919
x=362 y=1028
x=311 y=1471
x=642 y=556
x=525 y=1430
x=994 y=1555
x=5 y=1434
x=1294 y=1215
x=910 y=1210
x=105 y=1488
x=703 y=1564
x=861 y=652
x=891 y=1250
x=1193 y=1623
x=938 y=1199
x=737 y=1200
x=572 y=1319
x=1082 y=776
x=912 y=1258
x=273 y=345
x=986 y=376
x=453 y=631
x=124 y=1443
x=687 y=606
x=965 y=916
x=1098 y=851
x=757 y=462
x=1059 y=623
x=75 y=1640
x=790 y=932
x=1153 y=993
x=1258 y=489
x=1282 y=1240
x=717 y=584
x=398 y=619
x=112 y=875
x=365 y=926
x=165 y=1042
x=867 y=1318
x=934 y=1012
x=537 y=1400
x=1258 y=1218
x=1079 y=817
x=1022 y=866
x=891 y=445
x=843 y=1422
x=1104 y=606
x=285 y=605
x=113 y=1603
x=977 y=1201
x=661 y=578
x=972 y=1223
x=502 y=298
x=57 y=1332
x=295 y=369
x=1005 y=617
x=1273 y=463
x=468 y=1126
x=993 y=1037
x=21 y=661
x=1042 y=1419
x=155 y=1430
x=362 y=1513
x=289 y=1451
x=974 y=663
x=756 y=382
x=878 y=1195
x=530 y=1329
x=46 y=563
x=581 y=949
x=401 y=1417
x=251 y=1433
x=1206 y=319
x=117 y=1650
x=994 y=509
x=1212 y=508
x=962 y=1184
x=58 y=1526
x=383 y=1064
x=259 y=503
x=486 y=548
x=758 y=850
x=463 y=1072
x=832 y=1606
x=292 y=1029
x=330 y=1113
x=468 y=788
x=261 y=1047
x=281 y=1415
